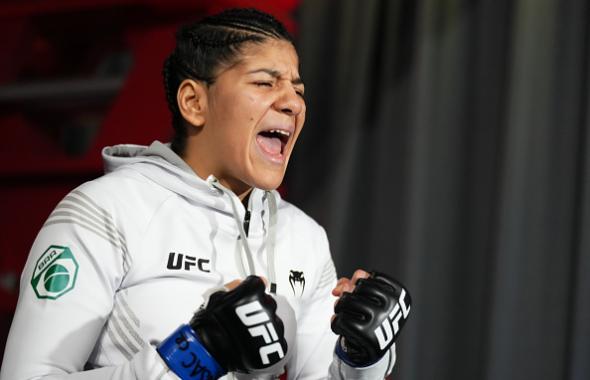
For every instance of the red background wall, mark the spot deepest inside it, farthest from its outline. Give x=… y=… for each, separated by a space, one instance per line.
x=75 y=76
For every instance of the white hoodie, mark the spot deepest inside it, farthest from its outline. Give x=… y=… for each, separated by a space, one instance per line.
x=123 y=260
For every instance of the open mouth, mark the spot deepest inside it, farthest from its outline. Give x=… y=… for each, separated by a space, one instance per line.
x=273 y=142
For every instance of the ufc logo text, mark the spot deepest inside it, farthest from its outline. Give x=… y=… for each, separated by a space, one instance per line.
x=177 y=261
x=384 y=332
x=253 y=315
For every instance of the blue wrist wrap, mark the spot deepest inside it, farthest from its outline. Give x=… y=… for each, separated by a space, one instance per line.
x=186 y=357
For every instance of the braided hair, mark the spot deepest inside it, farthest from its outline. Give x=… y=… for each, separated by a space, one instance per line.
x=203 y=47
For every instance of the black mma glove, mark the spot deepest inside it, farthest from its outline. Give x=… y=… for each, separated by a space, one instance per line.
x=369 y=319
x=240 y=327
x=237 y=330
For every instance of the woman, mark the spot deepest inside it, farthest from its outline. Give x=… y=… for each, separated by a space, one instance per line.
x=125 y=259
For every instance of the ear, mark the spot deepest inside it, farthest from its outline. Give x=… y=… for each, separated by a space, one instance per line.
x=192 y=102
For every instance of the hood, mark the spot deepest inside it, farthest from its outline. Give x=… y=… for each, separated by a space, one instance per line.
x=159 y=163
x=162 y=165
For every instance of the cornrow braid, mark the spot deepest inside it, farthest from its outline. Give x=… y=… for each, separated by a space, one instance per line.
x=232 y=39
x=250 y=19
x=203 y=48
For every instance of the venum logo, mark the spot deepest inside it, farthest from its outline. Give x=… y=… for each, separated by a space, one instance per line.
x=297 y=281
x=178 y=261
x=55 y=273
x=253 y=316
x=400 y=311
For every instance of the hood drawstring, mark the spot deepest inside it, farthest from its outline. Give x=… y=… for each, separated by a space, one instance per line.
x=270 y=249
x=271 y=240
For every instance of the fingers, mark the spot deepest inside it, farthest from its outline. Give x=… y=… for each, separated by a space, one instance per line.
x=358 y=274
x=343 y=285
x=232 y=285
x=347 y=285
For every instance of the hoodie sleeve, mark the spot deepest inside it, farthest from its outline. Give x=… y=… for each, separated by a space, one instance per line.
x=315 y=339
x=67 y=288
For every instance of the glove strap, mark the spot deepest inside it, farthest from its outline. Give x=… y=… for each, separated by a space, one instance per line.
x=187 y=358
x=339 y=350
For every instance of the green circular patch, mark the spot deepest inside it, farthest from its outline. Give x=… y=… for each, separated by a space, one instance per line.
x=56 y=278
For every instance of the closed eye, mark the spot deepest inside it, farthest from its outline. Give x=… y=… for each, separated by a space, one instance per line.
x=263 y=84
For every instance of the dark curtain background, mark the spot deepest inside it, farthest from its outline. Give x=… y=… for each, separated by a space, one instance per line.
x=447 y=144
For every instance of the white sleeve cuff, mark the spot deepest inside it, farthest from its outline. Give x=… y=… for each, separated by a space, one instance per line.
x=378 y=370
x=149 y=365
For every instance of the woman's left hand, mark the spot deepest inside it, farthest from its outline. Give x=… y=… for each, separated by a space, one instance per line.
x=346 y=284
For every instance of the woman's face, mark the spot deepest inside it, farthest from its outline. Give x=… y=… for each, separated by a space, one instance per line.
x=255 y=112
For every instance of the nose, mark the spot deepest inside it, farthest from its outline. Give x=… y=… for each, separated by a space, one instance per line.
x=289 y=102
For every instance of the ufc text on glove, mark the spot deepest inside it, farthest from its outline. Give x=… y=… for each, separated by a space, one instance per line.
x=370 y=318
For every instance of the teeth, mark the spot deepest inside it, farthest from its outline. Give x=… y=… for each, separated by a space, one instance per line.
x=281 y=132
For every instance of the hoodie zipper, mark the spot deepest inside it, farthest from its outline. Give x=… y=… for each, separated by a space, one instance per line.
x=247 y=222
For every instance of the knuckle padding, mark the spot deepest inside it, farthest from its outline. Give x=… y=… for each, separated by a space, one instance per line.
x=354 y=305
x=346 y=326
x=395 y=286
x=357 y=312
x=375 y=292
x=342 y=302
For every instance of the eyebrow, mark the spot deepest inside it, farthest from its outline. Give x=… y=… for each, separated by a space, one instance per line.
x=275 y=74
